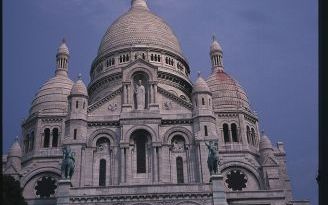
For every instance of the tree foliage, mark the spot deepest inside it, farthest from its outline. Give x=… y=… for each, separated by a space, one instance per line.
x=11 y=191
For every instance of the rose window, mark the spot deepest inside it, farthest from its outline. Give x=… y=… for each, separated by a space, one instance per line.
x=45 y=187
x=236 y=180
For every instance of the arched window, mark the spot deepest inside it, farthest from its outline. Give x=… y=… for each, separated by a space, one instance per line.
x=143 y=56
x=205 y=131
x=46 y=137
x=75 y=134
x=179 y=164
x=234 y=132
x=253 y=136
x=31 y=141
x=203 y=101
x=226 y=133
x=55 y=137
x=102 y=172
x=151 y=57
x=83 y=104
x=248 y=133
x=209 y=102
x=77 y=104
x=141 y=141
x=26 y=143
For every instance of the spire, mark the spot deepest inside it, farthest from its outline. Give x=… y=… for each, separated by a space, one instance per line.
x=62 y=59
x=141 y=4
x=216 y=55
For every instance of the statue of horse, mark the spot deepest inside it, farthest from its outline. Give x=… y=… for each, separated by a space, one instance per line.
x=212 y=160
x=68 y=164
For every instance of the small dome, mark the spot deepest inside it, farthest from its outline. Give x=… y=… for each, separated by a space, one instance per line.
x=52 y=96
x=79 y=88
x=265 y=142
x=139 y=27
x=15 y=149
x=63 y=49
x=200 y=85
x=215 y=46
x=226 y=92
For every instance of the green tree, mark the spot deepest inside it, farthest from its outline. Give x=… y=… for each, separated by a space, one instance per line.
x=11 y=191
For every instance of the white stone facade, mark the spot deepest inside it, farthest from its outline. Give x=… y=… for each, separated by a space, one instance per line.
x=155 y=155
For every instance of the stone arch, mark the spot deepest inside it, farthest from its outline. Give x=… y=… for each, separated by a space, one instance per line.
x=140 y=68
x=30 y=175
x=249 y=168
x=141 y=127
x=177 y=131
x=107 y=133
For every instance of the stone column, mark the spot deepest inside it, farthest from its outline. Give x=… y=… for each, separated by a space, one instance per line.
x=155 y=165
x=62 y=193
x=155 y=92
x=123 y=170
x=219 y=195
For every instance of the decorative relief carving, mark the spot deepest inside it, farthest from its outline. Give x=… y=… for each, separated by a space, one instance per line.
x=175 y=122
x=167 y=105
x=110 y=123
x=178 y=144
x=112 y=107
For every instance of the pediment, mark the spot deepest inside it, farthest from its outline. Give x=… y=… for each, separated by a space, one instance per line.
x=10 y=170
x=107 y=104
x=269 y=161
x=170 y=102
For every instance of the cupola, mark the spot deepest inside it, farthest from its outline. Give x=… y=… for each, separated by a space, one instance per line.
x=216 y=55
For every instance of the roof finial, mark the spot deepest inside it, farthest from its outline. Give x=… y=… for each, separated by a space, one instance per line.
x=139 y=4
x=64 y=40
x=213 y=37
x=198 y=73
x=16 y=138
x=79 y=76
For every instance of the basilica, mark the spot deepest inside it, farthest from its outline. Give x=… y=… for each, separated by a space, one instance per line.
x=141 y=131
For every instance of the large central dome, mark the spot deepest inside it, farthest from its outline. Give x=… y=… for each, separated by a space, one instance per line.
x=139 y=27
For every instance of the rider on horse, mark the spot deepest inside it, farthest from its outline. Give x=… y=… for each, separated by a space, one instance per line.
x=67 y=167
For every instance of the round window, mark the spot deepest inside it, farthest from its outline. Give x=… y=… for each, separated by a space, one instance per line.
x=45 y=187
x=236 y=180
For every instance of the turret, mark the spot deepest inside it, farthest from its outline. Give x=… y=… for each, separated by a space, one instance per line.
x=269 y=163
x=216 y=55
x=201 y=98
x=78 y=100
x=13 y=166
x=203 y=121
x=77 y=113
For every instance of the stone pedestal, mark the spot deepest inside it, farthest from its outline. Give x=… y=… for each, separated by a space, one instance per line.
x=62 y=194
x=219 y=195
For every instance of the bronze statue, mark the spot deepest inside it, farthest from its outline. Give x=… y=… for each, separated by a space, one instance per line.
x=212 y=160
x=68 y=163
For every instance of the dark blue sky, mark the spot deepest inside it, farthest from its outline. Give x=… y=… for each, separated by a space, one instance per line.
x=270 y=47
